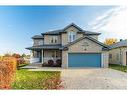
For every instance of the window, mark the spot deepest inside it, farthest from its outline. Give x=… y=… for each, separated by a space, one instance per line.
x=38 y=42
x=54 y=39
x=110 y=56
x=71 y=36
x=117 y=56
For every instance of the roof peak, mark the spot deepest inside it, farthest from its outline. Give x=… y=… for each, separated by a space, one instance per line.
x=73 y=24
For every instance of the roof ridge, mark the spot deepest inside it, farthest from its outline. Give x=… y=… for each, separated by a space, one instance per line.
x=58 y=31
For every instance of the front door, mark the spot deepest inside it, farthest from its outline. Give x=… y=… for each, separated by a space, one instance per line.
x=126 y=58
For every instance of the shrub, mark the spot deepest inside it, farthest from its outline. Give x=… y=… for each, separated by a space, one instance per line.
x=20 y=61
x=50 y=62
x=45 y=64
x=58 y=62
x=53 y=83
x=7 y=71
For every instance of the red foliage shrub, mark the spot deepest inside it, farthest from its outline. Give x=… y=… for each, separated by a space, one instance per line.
x=21 y=61
x=58 y=63
x=50 y=62
x=53 y=83
x=7 y=71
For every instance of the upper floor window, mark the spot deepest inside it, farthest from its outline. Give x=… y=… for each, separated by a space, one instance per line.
x=110 y=56
x=54 y=39
x=71 y=36
x=38 y=42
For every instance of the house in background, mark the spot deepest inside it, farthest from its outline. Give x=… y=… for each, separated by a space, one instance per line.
x=72 y=45
x=118 y=53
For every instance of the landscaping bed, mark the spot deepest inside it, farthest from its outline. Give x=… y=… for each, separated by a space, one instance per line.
x=25 y=79
x=118 y=67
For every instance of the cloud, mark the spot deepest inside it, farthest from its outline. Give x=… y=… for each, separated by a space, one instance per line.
x=112 y=24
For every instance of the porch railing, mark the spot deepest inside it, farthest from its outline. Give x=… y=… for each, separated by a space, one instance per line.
x=34 y=60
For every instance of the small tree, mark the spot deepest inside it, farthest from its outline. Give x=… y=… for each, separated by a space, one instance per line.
x=23 y=55
x=110 y=41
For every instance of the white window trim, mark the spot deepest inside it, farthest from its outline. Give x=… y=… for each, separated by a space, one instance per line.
x=71 y=36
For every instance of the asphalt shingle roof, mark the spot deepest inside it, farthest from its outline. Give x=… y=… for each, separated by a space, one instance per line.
x=53 y=32
x=58 y=46
x=37 y=37
x=72 y=24
x=119 y=44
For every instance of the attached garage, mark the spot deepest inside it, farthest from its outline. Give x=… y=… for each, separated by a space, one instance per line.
x=85 y=52
x=84 y=60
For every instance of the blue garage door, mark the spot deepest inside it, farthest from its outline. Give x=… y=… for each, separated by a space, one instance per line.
x=84 y=60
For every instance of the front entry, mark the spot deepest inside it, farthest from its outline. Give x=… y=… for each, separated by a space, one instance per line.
x=126 y=58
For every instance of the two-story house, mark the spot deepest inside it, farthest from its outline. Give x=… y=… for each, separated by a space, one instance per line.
x=74 y=46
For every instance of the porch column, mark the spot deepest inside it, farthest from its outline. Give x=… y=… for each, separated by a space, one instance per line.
x=42 y=59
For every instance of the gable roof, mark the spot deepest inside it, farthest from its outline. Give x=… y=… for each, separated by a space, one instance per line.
x=74 y=25
x=105 y=47
x=119 y=44
x=57 y=32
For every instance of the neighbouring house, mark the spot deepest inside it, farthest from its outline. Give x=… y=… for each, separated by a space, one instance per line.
x=118 y=53
x=72 y=45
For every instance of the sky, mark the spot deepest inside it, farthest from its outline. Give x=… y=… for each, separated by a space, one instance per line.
x=19 y=23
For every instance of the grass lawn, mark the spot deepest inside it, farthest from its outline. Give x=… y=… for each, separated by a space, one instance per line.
x=118 y=67
x=25 y=79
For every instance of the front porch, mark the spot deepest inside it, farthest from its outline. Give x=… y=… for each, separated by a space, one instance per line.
x=46 y=57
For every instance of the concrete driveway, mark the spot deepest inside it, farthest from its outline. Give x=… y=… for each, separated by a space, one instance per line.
x=93 y=79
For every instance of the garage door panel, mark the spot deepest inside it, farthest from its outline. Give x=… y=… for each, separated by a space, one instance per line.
x=84 y=60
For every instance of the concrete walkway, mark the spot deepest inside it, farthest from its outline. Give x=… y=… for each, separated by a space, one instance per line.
x=38 y=67
x=32 y=66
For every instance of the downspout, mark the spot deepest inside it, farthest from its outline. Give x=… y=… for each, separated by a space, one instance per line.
x=120 y=56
